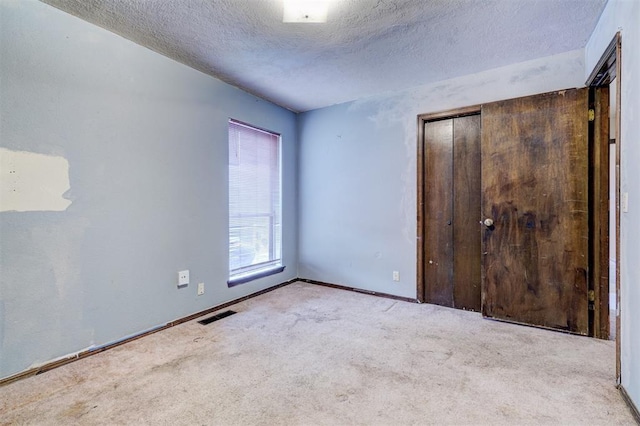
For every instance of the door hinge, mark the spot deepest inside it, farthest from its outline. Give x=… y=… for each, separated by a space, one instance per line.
x=592 y=296
x=592 y=114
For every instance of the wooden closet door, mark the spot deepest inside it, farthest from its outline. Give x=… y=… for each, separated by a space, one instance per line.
x=467 y=259
x=438 y=256
x=535 y=190
x=452 y=212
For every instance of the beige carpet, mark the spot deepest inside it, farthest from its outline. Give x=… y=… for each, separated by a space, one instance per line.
x=306 y=354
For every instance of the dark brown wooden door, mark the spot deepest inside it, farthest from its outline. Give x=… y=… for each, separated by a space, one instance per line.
x=535 y=190
x=452 y=212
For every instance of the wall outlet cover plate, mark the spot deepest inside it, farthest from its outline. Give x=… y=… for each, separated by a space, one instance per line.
x=183 y=277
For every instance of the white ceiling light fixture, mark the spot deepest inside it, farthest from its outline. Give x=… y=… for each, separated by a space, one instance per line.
x=308 y=11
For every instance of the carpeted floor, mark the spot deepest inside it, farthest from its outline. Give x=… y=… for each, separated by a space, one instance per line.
x=306 y=354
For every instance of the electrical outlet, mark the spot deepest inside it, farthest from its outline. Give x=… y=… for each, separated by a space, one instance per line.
x=396 y=275
x=183 y=278
x=200 y=289
x=625 y=202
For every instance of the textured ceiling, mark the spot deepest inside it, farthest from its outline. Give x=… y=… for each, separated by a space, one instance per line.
x=366 y=47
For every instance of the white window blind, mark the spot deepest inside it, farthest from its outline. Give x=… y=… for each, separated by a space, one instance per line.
x=254 y=200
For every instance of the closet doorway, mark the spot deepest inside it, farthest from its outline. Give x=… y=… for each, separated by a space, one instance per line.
x=503 y=221
x=452 y=210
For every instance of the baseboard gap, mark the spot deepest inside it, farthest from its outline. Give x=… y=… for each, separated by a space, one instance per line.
x=359 y=290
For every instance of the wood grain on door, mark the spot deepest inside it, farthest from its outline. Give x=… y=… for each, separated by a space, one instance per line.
x=535 y=189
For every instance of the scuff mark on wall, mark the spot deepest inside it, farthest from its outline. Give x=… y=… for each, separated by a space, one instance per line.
x=529 y=74
x=31 y=181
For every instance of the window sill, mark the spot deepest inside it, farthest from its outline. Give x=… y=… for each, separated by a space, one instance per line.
x=254 y=275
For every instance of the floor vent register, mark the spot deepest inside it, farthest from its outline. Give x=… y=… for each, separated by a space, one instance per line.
x=216 y=317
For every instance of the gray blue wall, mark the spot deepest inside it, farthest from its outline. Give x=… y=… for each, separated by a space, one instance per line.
x=146 y=142
x=624 y=16
x=358 y=179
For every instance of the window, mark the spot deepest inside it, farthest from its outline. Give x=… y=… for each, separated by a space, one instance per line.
x=255 y=242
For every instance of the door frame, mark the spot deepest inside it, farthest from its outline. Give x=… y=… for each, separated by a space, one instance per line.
x=421 y=228
x=609 y=67
x=599 y=215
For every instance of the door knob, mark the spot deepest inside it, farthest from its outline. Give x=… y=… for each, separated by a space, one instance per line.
x=488 y=223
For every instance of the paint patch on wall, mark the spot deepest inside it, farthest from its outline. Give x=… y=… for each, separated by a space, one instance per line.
x=30 y=181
